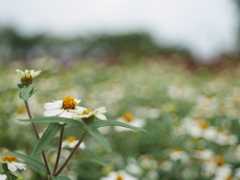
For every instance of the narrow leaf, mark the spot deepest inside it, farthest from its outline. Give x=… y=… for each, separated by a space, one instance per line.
x=48 y=135
x=100 y=123
x=28 y=159
x=55 y=119
x=92 y=160
x=60 y=177
x=99 y=137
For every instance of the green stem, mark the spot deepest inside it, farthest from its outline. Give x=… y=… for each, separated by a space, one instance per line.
x=72 y=153
x=59 y=150
x=49 y=177
x=38 y=137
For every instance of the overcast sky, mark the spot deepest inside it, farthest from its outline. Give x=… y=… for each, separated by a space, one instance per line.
x=207 y=27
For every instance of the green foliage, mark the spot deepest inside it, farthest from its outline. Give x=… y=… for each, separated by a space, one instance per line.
x=26 y=93
x=162 y=96
x=48 y=135
x=99 y=137
x=11 y=176
x=60 y=177
x=55 y=120
x=99 y=123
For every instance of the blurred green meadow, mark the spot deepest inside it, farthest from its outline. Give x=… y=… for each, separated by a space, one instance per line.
x=192 y=118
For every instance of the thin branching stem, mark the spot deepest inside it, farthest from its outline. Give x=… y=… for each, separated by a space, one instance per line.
x=59 y=150
x=38 y=137
x=72 y=153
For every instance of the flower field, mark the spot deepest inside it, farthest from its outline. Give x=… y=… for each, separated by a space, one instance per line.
x=191 y=119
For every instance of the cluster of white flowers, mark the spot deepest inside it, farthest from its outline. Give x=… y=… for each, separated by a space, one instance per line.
x=200 y=128
x=121 y=175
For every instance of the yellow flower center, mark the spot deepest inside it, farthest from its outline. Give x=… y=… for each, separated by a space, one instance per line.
x=21 y=110
x=177 y=149
x=119 y=176
x=87 y=111
x=71 y=138
x=9 y=158
x=128 y=117
x=203 y=124
x=219 y=160
x=69 y=103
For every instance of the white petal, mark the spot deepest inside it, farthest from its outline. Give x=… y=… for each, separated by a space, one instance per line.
x=34 y=74
x=66 y=114
x=21 y=74
x=58 y=101
x=64 y=143
x=101 y=116
x=12 y=167
x=54 y=112
x=72 y=144
x=3 y=177
x=77 y=100
x=78 y=110
x=49 y=106
x=82 y=146
x=101 y=110
x=28 y=73
x=20 y=166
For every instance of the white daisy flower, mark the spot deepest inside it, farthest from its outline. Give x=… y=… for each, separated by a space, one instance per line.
x=120 y=175
x=84 y=113
x=29 y=74
x=130 y=119
x=12 y=165
x=178 y=154
x=62 y=108
x=3 y=177
x=71 y=142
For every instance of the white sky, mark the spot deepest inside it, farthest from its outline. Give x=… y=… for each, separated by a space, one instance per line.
x=207 y=27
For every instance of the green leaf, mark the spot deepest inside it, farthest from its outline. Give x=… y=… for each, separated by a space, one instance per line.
x=101 y=123
x=60 y=177
x=20 y=85
x=55 y=119
x=32 y=92
x=11 y=176
x=48 y=135
x=28 y=159
x=99 y=137
x=92 y=160
x=26 y=93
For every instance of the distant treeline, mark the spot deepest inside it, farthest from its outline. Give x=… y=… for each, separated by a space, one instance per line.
x=15 y=46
